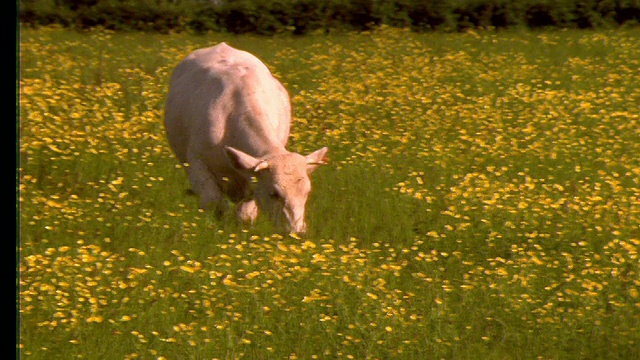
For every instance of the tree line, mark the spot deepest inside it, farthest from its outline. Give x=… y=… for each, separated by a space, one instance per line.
x=269 y=17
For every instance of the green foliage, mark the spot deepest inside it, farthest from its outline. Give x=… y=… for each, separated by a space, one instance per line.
x=303 y=16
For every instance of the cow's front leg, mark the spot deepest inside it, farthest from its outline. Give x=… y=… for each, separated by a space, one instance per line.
x=247 y=211
x=204 y=185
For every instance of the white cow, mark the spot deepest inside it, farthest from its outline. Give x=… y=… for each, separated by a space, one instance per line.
x=228 y=119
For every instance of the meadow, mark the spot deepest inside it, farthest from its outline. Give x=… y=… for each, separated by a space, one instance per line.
x=482 y=202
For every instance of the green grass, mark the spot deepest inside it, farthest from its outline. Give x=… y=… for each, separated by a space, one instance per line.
x=482 y=202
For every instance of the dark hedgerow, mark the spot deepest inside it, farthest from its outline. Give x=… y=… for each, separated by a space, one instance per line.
x=489 y=13
x=429 y=15
x=303 y=16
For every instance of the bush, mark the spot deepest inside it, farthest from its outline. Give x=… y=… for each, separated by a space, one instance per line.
x=302 y=16
x=45 y=12
x=627 y=11
x=488 y=13
x=307 y=15
x=429 y=15
x=355 y=14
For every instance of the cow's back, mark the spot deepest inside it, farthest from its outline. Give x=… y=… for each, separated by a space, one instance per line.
x=221 y=96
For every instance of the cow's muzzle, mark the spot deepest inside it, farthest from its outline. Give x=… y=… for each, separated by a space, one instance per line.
x=295 y=219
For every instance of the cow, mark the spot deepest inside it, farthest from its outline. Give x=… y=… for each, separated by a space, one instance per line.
x=228 y=120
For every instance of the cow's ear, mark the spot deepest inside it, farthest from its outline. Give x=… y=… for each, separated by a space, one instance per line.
x=243 y=161
x=262 y=165
x=316 y=158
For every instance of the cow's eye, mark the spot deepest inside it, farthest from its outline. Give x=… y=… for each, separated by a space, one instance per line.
x=275 y=195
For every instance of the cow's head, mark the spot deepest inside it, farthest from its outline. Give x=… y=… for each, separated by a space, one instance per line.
x=283 y=184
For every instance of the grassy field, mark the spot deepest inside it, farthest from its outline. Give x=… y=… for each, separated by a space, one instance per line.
x=482 y=202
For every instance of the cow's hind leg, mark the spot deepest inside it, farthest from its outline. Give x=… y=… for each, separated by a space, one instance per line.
x=247 y=211
x=205 y=186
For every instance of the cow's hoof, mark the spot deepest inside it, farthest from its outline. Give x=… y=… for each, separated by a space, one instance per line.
x=247 y=211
